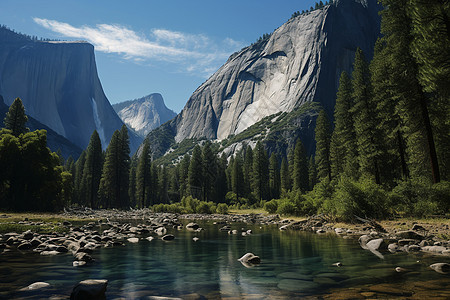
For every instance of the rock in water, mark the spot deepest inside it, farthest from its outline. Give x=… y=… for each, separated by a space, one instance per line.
x=250 y=260
x=36 y=286
x=133 y=240
x=443 y=268
x=168 y=237
x=89 y=289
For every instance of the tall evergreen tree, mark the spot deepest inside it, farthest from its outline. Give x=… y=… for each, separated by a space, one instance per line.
x=78 y=177
x=209 y=165
x=195 y=173
x=323 y=139
x=300 y=168
x=113 y=190
x=184 y=171
x=412 y=104
x=92 y=171
x=285 y=175
x=248 y=171
x=237 y=177
x=16 y=118
x=132 y=185
x=260 y=173
x=274 y=177
x=312 y=173
x=144 y=176
x=343 y=152
x=163 y=185
x=364 y=112
x=221 y=180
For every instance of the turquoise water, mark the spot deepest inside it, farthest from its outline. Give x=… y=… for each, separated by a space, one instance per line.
x=293 y=265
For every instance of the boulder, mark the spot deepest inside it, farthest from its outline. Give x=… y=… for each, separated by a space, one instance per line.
x=161 y=230
x=363 y=240
x=133 y=240
x=25 y=246
x=443 y=268
x=82 y=256
x=434 y=249
x=36 y=286
x=409 y=234
x=393 y=248
x=192 y=226
x=89 y=289
x=250 y=258
x=49 y=253
x=168 y=237
x=78 y=263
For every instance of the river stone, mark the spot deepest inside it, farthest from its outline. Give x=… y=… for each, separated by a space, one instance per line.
x=409 y=234
x=168 y=237
x=443 y=268
x=393 y=248
x=376 y=244
x=133 y=240
x=195 y=239
x=25 y=246
x=89 y=289
x=293 y=285
x=192 y=226
x=28 y=235
x=404 y=242
x=250 y=258
x=434 y=249
x=161 y=231
x=363 y=240
x=36 y=286
x=49 y=253
x=61 y=249
x=413 y=248
x=82 y=256
x=340 y=231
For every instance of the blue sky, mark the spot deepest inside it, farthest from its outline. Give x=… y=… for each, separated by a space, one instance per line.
x=144 y=46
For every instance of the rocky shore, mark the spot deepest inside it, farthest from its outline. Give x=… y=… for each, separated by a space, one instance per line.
x=114 y=228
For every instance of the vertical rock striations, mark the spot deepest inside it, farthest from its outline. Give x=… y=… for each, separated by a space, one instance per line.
x=59 y=86
x=300 y=62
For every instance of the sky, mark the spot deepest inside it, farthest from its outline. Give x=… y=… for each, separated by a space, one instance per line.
x=145 y=46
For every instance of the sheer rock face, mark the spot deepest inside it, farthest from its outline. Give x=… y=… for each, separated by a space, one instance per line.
x=300 y=62
x=144 y=114
x=59 y=86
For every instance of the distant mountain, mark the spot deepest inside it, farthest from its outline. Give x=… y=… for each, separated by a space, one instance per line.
x=144 y=114
x=59 y=86
x=54 y=141
x=299 y=63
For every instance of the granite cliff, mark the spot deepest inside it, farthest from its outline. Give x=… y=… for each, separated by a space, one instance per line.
x=144 y=114
x=300 y=62
x=59 y=86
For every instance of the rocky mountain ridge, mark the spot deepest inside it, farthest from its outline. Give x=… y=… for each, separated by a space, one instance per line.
x=59 y=86
x=144 y=114
x=299 y=63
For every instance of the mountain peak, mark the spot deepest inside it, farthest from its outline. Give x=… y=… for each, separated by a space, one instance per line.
x=144 y=114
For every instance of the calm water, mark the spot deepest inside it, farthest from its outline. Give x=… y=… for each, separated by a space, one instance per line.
x=294 y=264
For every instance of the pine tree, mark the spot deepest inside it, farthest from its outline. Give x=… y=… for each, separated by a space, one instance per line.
x=274 y=177
x=221 y=180
x=92 y=171
x=163 y=185
x=285 y=175
x=323 y=139
x=343 y=151
x=78 y=177
x=209 y=165
x=195 y=173
x=260 y=173
x=184 y=171
x=113 y=190
x=237 y=177
x=412 y=105
x=16 y=118
x=132 y=186
x=312 y=173
x=248 y=171
x=144 y=176
x=300 y=168
x=364 y=112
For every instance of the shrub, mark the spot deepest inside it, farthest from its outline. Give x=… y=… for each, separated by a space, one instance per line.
x=203 y=208
x=287 y=208
x=271 y=206
x=222 y=208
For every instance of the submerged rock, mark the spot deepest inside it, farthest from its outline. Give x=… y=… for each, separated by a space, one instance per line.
x=89 y=289
x=36 y=286
x=443 y=268
x=250 y=260
x=168 y=237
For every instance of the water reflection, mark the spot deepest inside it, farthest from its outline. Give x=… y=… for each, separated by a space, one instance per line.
x=293 y=264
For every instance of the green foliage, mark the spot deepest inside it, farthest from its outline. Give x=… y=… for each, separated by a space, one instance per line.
x=363 y=198
x=144 y=177
x=16 y=118
x=271 y=206
x=195 y=173
x=260 y=173
x=300 y=175
x=222 y=209
x=323 y=138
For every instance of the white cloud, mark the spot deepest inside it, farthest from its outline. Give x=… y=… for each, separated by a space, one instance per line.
x=192 y=53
